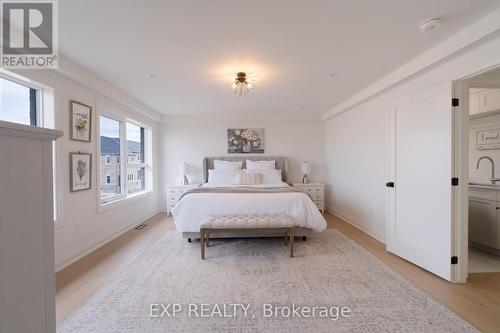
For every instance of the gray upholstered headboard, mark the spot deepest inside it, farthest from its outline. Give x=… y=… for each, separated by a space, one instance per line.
x=281 y=163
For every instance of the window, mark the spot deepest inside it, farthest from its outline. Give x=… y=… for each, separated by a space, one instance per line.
x=120 y=136
x=135 y=157
x=110 y=136
x=18 y=103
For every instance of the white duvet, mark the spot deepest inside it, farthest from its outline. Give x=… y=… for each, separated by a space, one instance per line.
x=193 y=208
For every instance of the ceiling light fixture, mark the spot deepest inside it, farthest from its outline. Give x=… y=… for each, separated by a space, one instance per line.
x=242 y=83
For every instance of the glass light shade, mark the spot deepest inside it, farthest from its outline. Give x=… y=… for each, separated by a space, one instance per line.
x=184 y=169
x=306 y=168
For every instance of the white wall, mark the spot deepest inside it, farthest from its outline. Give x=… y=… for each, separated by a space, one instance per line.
x=81 y=227
x=356 y=140
x=190 y=141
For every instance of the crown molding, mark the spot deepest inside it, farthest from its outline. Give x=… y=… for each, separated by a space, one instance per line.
x=475 y=32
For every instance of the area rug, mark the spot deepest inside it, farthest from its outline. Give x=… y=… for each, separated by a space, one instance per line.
x=252 y=285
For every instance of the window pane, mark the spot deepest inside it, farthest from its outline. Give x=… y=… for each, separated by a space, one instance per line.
x=17 y=103
x=110 y=159
x=135 y=155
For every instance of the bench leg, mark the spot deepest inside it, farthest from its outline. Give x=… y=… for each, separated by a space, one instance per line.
x=202 y=243
x=292 y=237
x=208 y=236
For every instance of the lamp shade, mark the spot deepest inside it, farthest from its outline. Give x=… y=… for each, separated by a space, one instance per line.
x=184 y=169
x=305 y=167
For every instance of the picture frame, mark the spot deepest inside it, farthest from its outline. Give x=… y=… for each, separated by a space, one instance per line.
x=245 y=141
x=80 y=122
x=80 y=178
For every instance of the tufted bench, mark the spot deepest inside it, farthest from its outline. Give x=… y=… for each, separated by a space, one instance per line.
x=232 y=223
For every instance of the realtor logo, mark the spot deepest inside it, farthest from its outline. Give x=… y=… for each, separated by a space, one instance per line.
x=29 y=34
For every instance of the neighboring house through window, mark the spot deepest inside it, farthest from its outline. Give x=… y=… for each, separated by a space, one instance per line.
x=119 y=136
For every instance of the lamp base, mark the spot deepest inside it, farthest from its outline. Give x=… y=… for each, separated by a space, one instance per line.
x=305 y=179
x=185 y=180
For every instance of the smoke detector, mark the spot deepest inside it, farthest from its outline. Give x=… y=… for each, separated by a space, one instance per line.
x=430 y=24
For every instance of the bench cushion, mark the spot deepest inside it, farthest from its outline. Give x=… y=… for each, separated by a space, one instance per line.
x=247 y=221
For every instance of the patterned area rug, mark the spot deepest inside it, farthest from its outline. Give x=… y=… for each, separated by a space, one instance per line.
x=332 y=285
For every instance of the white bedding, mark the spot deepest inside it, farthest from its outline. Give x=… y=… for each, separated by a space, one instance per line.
x=191 y=210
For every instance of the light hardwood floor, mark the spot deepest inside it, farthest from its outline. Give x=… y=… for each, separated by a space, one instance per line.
x=477 y=301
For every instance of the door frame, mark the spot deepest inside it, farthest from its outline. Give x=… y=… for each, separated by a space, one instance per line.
x=460 y=229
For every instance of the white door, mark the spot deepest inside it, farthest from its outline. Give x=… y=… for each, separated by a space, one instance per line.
x=419 y=226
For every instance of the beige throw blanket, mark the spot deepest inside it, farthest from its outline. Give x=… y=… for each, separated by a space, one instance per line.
x=241 y=189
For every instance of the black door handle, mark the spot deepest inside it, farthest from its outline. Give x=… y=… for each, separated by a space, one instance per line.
x=390 y=184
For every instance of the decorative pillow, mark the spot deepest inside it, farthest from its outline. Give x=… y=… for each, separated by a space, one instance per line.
x=247 y=178
x=227 y=165
x=261 y=165
x=270 y=176
x=222 y=177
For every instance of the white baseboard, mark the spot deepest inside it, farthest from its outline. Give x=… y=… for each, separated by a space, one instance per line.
x=354 y=224
x=82 y=253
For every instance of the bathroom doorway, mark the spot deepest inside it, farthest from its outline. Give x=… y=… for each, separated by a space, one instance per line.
x=484 y=172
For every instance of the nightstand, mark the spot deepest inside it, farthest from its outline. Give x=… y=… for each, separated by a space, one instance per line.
x=316 y=192
x=174 y=192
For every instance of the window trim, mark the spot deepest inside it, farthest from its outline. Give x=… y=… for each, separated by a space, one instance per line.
x=109 y=111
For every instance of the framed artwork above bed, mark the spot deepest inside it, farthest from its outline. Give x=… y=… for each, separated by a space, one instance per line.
x=245 y=140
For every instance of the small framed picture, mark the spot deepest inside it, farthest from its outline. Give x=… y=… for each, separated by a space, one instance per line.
x=80 y=121
x=80 y=172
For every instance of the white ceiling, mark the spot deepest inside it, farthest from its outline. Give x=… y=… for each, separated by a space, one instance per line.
x=293 y=46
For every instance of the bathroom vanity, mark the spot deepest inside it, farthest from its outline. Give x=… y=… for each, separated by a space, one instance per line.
x=484 y=217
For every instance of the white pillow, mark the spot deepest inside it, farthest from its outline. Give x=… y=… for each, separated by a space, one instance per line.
x=227 y=165
x=247 y=178
x=261 y=165
x=222 y=177
x=268 y=176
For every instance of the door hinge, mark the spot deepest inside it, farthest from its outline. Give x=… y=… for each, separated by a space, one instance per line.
x=389 y=184
x=454 y=102
x=454 y=181
x=454 y=260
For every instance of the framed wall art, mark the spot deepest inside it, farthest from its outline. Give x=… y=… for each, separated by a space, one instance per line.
x=245 y=140
x=80 y=171
x=80 y=121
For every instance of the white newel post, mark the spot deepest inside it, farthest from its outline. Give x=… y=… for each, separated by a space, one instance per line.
x=27 y=284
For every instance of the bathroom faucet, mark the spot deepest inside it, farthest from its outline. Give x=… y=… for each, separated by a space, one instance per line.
x=492 y=179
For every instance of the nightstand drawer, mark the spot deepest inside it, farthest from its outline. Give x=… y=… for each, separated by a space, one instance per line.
x=175 y=192
x=315 y=191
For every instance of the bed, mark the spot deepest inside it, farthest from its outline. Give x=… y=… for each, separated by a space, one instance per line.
x=214 y=199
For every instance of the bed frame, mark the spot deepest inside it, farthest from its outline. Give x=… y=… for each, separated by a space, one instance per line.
x=281 y=164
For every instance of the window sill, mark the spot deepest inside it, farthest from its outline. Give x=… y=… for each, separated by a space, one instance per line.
x=103 y=207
